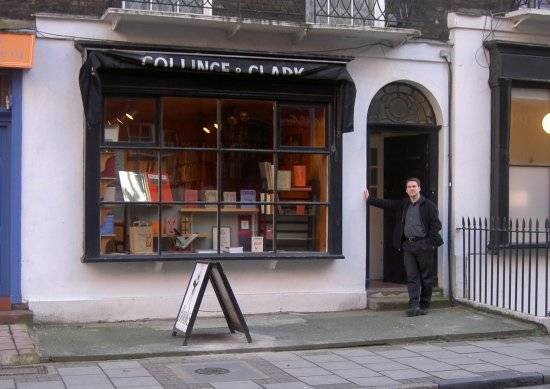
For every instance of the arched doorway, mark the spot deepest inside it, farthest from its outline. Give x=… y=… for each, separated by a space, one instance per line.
x=402 y=142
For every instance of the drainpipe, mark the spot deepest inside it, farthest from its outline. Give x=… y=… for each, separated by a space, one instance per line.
x=446 y=55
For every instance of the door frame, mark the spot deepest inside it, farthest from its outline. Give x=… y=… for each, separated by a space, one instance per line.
x=433 y=132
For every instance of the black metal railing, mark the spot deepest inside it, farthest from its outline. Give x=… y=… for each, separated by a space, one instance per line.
x=539 y=4
x=393 y=13
x=505 y=263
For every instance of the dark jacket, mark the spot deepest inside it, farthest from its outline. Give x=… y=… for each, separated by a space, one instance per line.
x=428 y=215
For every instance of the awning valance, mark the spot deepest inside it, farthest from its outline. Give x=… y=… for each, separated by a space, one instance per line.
x=213 y=63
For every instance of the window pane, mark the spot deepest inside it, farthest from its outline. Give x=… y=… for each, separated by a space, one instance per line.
x=129 y=120
x=131 y=229
x=303 y=177
x=190 y=173
x=529 y=174
x=131 y=175
x=196 y=226
x=302 y=126
x=189 y=122
x=529 y=143
x=242 y=227
x=247 y=124
x=243 y=173
x=5 y=92
x=529 y=192
x=301 y=228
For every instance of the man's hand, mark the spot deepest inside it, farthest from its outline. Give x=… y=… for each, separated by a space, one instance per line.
x=366 y=194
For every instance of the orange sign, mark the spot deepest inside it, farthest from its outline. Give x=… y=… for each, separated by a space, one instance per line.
x=16 y=50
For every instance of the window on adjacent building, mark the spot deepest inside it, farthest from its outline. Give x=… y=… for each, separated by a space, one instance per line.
x=188 y=175
x=529 y=164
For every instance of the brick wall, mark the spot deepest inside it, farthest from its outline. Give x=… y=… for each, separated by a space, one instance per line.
x=23 y=9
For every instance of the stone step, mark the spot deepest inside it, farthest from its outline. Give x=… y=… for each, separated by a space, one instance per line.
x=401 y=302
x=397 y=292
x=16 y=316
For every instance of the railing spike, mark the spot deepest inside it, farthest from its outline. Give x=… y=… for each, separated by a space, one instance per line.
x=463 y=223
x=517 y=224
x=485 y=223
x=523 y=223
x=537 y=224
x=468 y=221
x=530 y=224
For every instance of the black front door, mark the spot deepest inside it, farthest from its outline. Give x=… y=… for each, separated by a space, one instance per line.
x=404 y=157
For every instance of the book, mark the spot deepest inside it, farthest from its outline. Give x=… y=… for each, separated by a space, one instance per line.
x=248 y=196
x=283 y=179
x=262 y=199
x=233 y=250
x=266 y=173
x=190 y=195
x=133 y=185
x=257 y=244
x=108 y=226
x=225 y=238
x=299 y=175
x=245 y=231
x=210 y=196
x=153 y=187
x=230 y=197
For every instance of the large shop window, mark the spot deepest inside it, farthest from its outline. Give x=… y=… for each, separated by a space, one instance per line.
x=182 y=176
x=529 y=167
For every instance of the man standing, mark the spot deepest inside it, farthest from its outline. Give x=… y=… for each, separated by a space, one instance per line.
x=416 y=234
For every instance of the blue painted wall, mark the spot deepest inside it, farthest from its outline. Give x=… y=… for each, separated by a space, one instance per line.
x=10 y=192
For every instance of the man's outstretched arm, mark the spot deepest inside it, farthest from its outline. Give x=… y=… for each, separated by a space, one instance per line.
x=381 y=203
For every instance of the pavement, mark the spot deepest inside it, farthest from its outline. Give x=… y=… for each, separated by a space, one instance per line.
x=275 y=332
x=462 y=364
x=448 y=348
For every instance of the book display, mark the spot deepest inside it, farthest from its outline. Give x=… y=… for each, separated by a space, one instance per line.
x=181 y=189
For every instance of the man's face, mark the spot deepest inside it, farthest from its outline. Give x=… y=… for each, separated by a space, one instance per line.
x=412 y=189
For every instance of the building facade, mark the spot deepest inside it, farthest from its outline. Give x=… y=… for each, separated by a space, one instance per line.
x=156 y=134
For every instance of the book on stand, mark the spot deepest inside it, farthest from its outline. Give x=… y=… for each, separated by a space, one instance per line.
x=153 y=187
x=248 y=196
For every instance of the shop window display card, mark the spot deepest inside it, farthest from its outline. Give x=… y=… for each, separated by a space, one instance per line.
x=203 y=272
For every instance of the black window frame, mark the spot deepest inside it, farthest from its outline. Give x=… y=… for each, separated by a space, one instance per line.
x=140 y=84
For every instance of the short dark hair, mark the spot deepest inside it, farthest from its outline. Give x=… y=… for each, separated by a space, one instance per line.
x=412 y=179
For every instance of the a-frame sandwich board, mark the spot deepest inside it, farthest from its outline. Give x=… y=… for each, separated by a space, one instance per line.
x=203 y=272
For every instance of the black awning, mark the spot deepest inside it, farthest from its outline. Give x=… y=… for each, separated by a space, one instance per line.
x=215 y=63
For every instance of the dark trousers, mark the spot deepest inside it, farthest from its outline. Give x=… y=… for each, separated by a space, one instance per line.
x=418 y=258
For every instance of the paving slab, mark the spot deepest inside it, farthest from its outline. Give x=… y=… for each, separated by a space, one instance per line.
x=286 y=331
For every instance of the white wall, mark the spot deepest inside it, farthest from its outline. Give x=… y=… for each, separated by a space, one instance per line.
x=61 y=288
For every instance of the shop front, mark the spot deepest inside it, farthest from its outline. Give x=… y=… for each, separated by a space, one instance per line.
x=212 y=155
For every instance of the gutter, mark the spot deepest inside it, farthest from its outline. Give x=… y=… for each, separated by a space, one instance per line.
x=446 y=56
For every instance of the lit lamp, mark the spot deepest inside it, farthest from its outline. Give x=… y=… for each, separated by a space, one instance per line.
x=546 y=123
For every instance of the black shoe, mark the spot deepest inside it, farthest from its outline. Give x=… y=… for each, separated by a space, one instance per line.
x=413 y=312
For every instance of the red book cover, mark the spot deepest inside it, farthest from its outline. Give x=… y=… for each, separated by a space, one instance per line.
x=152 y=183
x=190 y=195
